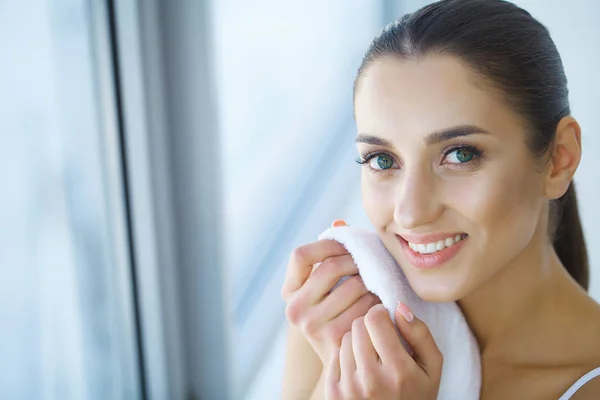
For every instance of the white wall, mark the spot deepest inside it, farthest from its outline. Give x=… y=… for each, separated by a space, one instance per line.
x=574 y=29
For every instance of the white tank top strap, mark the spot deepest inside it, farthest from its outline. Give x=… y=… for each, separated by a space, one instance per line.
x=580 y=382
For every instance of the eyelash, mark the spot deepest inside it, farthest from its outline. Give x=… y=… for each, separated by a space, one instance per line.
x=477 y=156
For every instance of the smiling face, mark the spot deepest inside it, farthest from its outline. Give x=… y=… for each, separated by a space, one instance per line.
x=447 y=173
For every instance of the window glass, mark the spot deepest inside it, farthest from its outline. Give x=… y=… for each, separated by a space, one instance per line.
x=284 y=75
x=65 y=306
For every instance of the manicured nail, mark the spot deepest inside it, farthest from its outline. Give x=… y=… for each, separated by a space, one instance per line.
x=405 y=311
x=338 y=222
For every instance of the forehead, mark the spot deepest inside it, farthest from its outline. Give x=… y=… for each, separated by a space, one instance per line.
x=424 y=95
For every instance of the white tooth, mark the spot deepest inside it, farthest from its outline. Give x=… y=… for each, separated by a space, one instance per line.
x=411 y=245
x=457 y=238
x=421 y=248
x=449 y=242
x=440 y=245
x=431 y=248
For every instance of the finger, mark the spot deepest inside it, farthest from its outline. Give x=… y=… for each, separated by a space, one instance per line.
x=324 y=278
x=343 y=297
x=343 y=322
x=364 y=353
x=332 y=376
x=385 y=338
x=347 y=365
x=310 y=296
x=417 y=334
x=347 y=362
x=302 y=260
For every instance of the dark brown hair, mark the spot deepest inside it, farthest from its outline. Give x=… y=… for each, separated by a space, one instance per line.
x=514 y=55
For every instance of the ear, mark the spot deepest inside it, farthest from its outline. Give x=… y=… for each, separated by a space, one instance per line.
x=566 y=154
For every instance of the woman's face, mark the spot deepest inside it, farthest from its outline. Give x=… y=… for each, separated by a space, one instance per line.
x=448 y=159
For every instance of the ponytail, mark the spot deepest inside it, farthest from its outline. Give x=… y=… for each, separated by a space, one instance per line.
x=569 y=242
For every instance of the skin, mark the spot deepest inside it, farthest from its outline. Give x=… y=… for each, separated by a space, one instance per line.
x=342 y=347
x=530 y=318
x=537 y=329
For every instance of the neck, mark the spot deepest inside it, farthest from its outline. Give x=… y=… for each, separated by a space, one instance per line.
x=507 y=312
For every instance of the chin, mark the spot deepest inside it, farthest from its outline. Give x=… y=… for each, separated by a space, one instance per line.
x=435 y=292
x=438 y=297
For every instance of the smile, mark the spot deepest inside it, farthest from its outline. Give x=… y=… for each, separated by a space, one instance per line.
x=433 y=253
x=430 y=248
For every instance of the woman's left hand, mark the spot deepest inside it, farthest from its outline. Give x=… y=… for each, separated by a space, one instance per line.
x=373 y=364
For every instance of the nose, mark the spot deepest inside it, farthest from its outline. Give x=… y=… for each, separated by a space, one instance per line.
x=417 y=202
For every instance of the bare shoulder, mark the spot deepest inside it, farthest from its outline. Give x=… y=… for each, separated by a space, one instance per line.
x=588 y=338
x=588 y=350
x=578 y=353
x=589 y=391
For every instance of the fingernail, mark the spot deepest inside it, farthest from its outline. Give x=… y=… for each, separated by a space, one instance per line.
x=338 y=222
x=405 y=311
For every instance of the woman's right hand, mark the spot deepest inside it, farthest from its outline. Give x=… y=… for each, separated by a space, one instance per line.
x=324 y=317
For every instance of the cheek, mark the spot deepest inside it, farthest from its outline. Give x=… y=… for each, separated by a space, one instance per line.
x=502 y=206
x=377 y=199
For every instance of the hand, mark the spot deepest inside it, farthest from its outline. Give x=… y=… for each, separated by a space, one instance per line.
x=324 y=317
x=372 y=363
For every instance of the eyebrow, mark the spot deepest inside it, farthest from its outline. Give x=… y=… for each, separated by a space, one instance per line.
x=432 y=138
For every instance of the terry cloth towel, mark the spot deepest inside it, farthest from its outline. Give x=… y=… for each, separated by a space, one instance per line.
x=461 y=371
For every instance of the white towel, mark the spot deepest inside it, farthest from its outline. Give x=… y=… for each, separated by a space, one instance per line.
x=461 y=371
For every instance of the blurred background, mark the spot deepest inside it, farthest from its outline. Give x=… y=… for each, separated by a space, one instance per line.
x=161 y=159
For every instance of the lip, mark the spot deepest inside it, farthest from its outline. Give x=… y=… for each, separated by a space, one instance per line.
x=435 y=260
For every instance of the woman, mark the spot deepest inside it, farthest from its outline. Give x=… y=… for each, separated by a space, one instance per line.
x=468 y=151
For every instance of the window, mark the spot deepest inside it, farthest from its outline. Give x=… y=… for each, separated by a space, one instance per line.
x=65 y=291
x=284 y=82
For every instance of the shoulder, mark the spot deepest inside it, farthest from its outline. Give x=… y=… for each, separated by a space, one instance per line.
x=590 y=390
x=588 y=351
